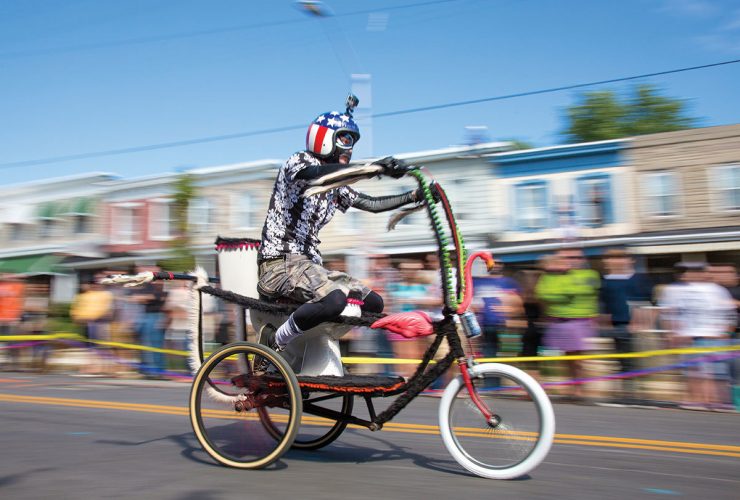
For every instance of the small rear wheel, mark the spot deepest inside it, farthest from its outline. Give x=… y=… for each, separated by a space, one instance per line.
x=517 y=438
x=226 y=399
x=315 y=431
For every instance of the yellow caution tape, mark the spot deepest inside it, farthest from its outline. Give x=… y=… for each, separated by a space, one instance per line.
x=569 y=357
x=358 y=360
x=80 y=338
x=54 y=336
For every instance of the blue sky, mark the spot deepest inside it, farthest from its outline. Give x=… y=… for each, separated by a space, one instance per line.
x=87 y=76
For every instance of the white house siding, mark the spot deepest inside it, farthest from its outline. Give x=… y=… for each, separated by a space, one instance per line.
x=692 y=156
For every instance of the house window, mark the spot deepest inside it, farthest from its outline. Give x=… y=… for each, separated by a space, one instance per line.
x=161 y=221
x=661 y=190
x=81 y=224
x=48 y=227
x=594 y=200
x=48 y=219
x=17 y=231
x=727 y=187
x=531 y=211
x=242 y=214
x=125 y=223
x=80 y=212
x=200 y=215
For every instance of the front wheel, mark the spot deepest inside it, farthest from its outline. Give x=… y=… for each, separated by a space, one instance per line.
x=521 y=434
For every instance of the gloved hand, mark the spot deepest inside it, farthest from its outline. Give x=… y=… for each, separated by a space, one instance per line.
x=393 y=167
x=434 y=188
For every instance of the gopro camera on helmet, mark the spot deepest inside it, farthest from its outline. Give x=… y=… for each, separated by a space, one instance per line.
x=352 y=102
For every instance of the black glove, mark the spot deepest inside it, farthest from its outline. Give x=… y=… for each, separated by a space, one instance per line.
x=434 y=188
x=393 y=167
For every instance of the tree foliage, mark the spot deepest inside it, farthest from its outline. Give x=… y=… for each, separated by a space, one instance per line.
x=602 y=115
x=181 y=256
x=518 y=144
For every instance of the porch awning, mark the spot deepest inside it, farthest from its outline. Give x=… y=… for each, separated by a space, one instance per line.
x=48 y=210
x=79 y=206
x=30 y=264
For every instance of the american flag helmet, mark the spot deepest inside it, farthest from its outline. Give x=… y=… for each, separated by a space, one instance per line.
x=326 y=131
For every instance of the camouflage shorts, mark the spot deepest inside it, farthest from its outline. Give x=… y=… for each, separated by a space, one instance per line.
x=299 y=278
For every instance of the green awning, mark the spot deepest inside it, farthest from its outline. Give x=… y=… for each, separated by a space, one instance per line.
x=46 y=210
x=30 y=264
x=61 y=208
x=80 y=206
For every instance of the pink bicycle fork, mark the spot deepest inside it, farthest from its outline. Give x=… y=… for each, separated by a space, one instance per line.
x=491 y=419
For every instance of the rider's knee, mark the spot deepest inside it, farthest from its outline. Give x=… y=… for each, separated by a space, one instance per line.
x=373 y=303
x=334 y=303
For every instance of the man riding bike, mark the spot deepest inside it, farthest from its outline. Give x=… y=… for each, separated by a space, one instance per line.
x=289 y=260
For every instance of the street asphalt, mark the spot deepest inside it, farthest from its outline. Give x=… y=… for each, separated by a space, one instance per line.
x=72 y=437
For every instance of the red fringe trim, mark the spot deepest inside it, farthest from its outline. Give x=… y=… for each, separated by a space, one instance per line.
x=337 y=388
x=354 y=390
x=237 y=246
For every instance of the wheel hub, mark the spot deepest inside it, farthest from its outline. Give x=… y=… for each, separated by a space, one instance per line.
x=494 y=421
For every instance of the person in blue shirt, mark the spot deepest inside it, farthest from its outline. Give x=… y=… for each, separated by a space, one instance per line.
x=622 y=289
x=497 y=300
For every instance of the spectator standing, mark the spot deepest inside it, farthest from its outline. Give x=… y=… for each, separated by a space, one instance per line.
x=433 y=307
x=569 y=292
x=700 y=313
x=93 y=309
x=12 y=290
x=381 y=278
x=411 y=293
x=35 y=321
x=177 y=307
x=497 y=303
x=622 y=291
x=726 y=276
x=533 y=313
x=126 y=315
x=151 y=327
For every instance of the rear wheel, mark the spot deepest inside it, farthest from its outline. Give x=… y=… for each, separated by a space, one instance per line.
x=315 y=431
x=228 y=396
x=516 y=440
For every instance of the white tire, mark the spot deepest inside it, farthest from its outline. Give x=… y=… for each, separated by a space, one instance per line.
x=526 y=431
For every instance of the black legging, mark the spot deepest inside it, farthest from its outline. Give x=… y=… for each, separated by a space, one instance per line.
x=330 y=307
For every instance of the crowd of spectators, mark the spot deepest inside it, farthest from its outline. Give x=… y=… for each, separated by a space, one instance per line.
x=564 y=304
x=568 y=304
x=154 y=318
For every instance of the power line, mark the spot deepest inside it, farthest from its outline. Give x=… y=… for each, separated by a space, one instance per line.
x=150 y=147
x=252 y=133
x=551 y=90
x=192 y=34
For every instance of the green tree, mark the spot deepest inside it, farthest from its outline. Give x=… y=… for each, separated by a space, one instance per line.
x=181 y=256
x=602 y=115
x=518 y=145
